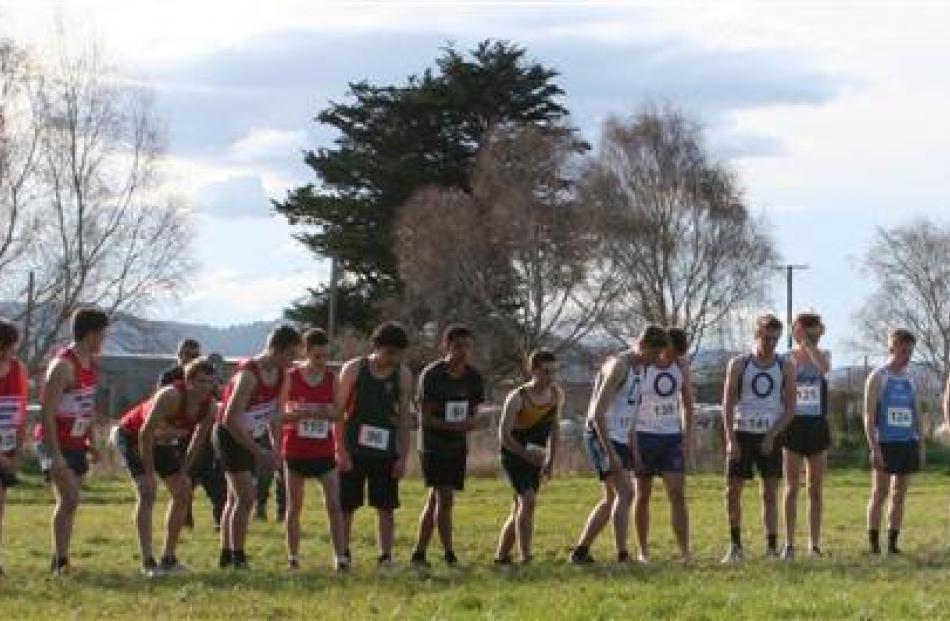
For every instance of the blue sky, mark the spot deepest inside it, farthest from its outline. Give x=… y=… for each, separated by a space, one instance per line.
x=834 y=118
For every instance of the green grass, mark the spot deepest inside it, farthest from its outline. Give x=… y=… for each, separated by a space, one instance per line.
x=847 y=585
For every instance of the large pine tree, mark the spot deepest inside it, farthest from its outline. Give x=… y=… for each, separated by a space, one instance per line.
x=394 y=140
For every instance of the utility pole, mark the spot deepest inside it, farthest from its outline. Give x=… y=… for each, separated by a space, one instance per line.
x=28 y=318
x=789 y=269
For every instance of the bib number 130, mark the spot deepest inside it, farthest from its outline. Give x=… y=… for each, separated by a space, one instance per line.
x=312 y=428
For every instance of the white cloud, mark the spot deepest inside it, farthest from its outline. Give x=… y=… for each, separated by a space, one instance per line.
x=268 y=143
x=229 y=296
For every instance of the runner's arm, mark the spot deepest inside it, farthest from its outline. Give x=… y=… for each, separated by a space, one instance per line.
x=244 y=386
x=512 y=405
x=871 y=390
x=612 y=375
x=59 y=376
x=199 y=439
x=789 y=399
x=688 y=412
x=404 y=437
x=165 y=402
x=344 y=388
x=555 y=437
x=274 y=429
x=729 y=398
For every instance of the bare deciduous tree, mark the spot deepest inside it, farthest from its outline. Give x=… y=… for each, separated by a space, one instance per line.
x=910 y=268
x=517 y=257
x=105 y=232
x=677 y=230
x=19 y=138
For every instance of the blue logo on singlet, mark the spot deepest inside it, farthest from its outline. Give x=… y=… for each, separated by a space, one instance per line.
x=762 y=384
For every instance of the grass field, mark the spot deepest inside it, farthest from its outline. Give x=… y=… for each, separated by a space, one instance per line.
x=846 y=585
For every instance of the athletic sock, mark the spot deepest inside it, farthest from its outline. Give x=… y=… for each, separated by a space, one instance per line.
x=874 y=540
x=735 y=535
x=771 y=540
x=892 y=535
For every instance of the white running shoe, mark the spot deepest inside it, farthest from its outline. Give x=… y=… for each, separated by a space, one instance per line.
x=733 y=555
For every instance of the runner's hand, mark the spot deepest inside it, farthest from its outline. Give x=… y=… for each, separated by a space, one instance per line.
x=265 y=460
x=613 y=460
x=768 y=444
x=148 y=484
x=547 y=469
x=58 y=464
x=877 y=460
x=536 y=458
x=732 y=450
x=399 y=468
x=343 y=461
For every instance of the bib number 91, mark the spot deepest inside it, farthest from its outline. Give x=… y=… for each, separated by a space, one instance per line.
x=456 y=411
x=374 y=437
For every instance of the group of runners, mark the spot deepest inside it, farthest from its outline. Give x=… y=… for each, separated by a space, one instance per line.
x=284 y=409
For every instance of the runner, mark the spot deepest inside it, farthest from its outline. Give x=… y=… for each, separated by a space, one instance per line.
x=528 y=434
x=308 y=446
x=69 y=412
x=450 y=391
x=758 y=403
x=807 y=438
x=373 y=439
x=206 y=470
x=150 y=438
x=610 y=416
x=893 y=428
x=13 y=396
x=248 y=414
x=665 y=441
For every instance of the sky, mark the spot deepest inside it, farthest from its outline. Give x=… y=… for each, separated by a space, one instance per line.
x=832 y=114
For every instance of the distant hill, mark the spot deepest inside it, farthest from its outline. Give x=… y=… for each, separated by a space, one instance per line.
x=134 y=335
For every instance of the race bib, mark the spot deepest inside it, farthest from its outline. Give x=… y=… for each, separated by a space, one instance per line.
x=535 y=448
x=7 y=439
x=456 y=411
x=314 y=429
x=663 y=409
x=808 y=395
x=374 y=437
x=259 y=427
x=900 y=417
x=81 y=427
x=623 y=422
x=754 y=423
x=10 y=409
